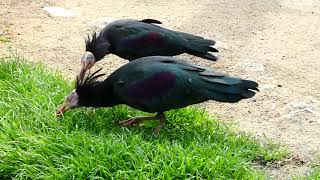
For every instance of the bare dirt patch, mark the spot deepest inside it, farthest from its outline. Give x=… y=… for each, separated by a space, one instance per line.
x=273 y=42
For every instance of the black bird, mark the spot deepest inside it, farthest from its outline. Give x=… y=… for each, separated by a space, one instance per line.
x=157 y=84
x=132 y=39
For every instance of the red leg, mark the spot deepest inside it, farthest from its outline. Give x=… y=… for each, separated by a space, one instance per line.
x=162 y=119
x=136 y=120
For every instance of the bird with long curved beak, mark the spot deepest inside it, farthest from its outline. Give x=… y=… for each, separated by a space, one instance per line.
x=71 y=101
x=132 y=39
x=87 y=61
x=157 y=84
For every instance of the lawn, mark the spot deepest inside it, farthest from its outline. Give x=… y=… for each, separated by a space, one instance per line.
x=89 y=143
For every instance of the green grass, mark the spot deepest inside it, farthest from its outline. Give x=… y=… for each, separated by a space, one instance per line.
x=89 y=143
x=3 y=39
x=314 y=171
x=315 y=174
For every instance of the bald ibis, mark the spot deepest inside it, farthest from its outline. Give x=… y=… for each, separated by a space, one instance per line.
x=157 y=84
x=132 y=39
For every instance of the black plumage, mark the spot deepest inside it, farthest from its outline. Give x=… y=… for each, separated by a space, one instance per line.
x=158 y=84
x=132 y=39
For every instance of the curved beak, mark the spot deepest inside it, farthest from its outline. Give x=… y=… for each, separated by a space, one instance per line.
x=87 y=61
x=62 y=109
x=72 y=101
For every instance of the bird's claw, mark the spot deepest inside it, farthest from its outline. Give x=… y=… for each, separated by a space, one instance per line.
x=129 y=122
x=137 y=120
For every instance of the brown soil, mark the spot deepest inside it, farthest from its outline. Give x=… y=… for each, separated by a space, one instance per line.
x=275 y=42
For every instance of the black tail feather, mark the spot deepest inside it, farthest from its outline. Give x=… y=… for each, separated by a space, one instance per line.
x=205 y=56
x=228 y=89
x=151 y=21
x=250 y=85
x=199 y=46
x=248 y=88
x=212 y=49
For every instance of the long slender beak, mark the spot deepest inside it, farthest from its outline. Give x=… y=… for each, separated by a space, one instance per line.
x=62 y=109
x=88 y=61
x=86 y=65
x=71 y=101
x=82 y=73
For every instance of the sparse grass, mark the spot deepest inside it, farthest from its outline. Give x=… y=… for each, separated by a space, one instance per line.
x=88 y=143
x=315 y=174
x=314 y=171
x=3 y=38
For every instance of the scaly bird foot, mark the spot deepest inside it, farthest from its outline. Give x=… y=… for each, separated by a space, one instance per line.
x=130 y=121
x=136 y=120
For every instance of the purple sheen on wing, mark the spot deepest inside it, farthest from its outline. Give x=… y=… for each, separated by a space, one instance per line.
x=151 y=39
x=155 y=86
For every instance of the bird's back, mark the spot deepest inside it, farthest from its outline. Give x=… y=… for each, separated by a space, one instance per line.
x=132 y=39
x=157 y=84
x=119 y=29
